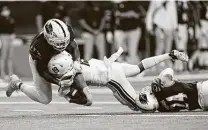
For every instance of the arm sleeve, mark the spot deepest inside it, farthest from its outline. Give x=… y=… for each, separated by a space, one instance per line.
x=44 y=74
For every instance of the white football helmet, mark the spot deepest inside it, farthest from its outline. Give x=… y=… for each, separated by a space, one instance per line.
x=166 y=77
x=146 y=100
x=57 y=34
x=61 y=64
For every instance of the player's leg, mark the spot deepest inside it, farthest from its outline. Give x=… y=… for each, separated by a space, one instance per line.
x=100 y=44
x=181 y=44
x=88 y=47
x=160 y=36
x=3 y=56
x=133 y=43
x=120 y=37
x=122 y=89
x=203 y=94
x=10 y=54
x=132 y=70
x=41 y=92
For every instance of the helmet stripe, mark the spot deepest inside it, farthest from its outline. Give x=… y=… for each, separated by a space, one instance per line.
x=61 y=27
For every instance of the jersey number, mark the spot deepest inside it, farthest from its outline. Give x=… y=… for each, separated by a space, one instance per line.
x=178 y=97
x=55 y=70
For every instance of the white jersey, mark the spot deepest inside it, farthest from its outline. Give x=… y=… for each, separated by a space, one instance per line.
x=96 y=73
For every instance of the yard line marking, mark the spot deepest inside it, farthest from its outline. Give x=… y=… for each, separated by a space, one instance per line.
x=31 y=103
x=198 y=76
x=87 y=108
x=27 y=110
x=55 y=92
x=172 y=115
x=140 y=115
x=106 y=102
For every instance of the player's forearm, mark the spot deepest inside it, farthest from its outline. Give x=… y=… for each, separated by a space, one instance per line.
x=49 y=78
x=44 y=74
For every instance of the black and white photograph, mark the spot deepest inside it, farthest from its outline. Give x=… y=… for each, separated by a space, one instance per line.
x=103 y=65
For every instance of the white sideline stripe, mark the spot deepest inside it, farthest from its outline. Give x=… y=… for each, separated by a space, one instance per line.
x=141 y=115
x=180 y=77
x=87 y=108
x=27 y=110
x=31 y=103
x=55 y=92
x=145 y=78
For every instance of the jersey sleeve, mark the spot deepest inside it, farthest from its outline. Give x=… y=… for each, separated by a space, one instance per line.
x=34 y=52
x=73 y=49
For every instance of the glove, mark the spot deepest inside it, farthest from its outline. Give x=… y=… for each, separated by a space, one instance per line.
x=67 y=79
x=156 y=85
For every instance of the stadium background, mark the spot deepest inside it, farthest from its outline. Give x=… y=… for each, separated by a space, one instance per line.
x=25 y=12
x=19 y=112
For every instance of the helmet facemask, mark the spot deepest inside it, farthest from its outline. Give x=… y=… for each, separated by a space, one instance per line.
x=146 y=100
x=59 y=45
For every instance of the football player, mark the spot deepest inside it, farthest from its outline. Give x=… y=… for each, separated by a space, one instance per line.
x=55 y=38
x=172 y=95
x=109 y=73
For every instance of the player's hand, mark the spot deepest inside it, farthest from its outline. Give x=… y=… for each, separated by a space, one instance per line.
x=67 y=80
x=65 y=83
x=156 y=85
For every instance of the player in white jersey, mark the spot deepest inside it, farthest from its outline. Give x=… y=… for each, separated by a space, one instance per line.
x=114 y=75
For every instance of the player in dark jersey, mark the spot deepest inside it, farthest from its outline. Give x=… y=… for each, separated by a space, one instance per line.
x=55 y=38
x=173 y=95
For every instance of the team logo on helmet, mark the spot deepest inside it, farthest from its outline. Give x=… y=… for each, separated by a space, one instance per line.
x=49 y=29
x=143 y=98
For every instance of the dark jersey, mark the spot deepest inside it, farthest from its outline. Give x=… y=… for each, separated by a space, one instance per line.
x=42 y=52
x=126 y=23
x=203 y=10
x=182 y=13
x=178 y=97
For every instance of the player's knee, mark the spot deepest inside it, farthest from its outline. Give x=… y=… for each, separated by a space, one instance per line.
x=45 y=100
x=89 y=102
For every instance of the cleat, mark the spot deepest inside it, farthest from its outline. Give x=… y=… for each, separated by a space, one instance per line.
x=13 y=85
x=177 y=55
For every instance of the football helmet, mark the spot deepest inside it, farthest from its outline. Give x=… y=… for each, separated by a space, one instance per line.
x=57 y=34
x=166 y=77
x=146 y=100
x=61 y=65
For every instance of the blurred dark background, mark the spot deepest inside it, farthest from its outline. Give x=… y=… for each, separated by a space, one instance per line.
x=142 y=28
